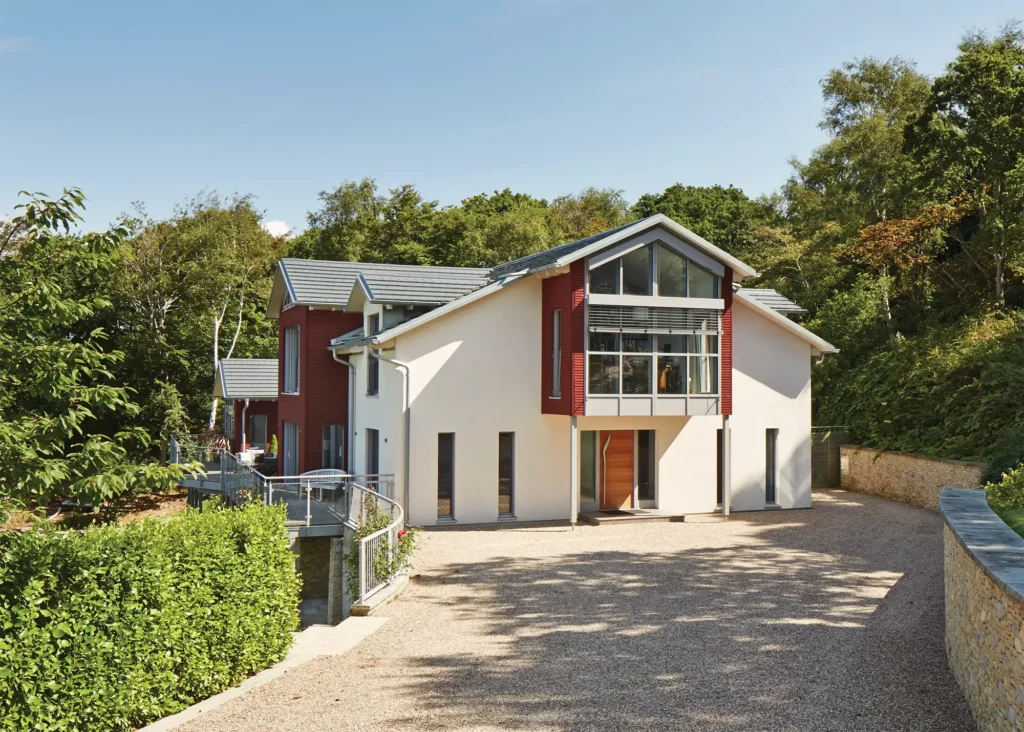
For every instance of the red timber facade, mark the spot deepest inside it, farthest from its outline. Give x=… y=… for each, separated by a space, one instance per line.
x=564 y=293
x=323 y=383
x=266 y=408
x=727 y=296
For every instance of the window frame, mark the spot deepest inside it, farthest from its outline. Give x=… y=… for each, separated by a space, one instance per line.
x=688 y=354
x=556 y=354
x=771 y=467
x=292 y=359
x=450 y=516
x=372 y=363
x=511 y=477
x=229 y=419
x=332 y=446
x=654 y=271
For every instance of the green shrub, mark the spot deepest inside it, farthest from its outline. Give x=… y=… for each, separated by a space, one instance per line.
x=1007 y=455
x=1008 y=493
x=115 y=626
x=385 y=563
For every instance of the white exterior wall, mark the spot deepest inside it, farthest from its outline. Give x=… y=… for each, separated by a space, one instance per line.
x=771 y=389
x=477 y=372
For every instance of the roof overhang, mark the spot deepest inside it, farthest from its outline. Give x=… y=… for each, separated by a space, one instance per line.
x=818 y=345
x=740 y=269
x=282 y=287
x=219 y=387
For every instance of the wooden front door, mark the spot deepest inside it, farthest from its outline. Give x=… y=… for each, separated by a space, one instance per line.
x=617 y=469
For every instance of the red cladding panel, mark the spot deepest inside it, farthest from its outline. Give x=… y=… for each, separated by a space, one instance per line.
x=323 y=383
x=565 y=294
x=727 y=343
x=268 y=408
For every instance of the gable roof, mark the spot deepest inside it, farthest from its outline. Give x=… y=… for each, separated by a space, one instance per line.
x=818 y=344
x=327 y=283
x=246 y=378
x=566 y=253
x=775 y=300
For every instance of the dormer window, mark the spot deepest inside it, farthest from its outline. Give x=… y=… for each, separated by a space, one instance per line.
x=653 y=269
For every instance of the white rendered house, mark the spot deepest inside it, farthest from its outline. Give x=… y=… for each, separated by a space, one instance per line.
x=625 y=371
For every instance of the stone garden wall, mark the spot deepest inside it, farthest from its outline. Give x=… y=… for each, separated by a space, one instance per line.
x=984 y=579
x=905 y=477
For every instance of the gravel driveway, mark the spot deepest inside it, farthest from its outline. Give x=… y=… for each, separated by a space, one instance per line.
x=827 y=619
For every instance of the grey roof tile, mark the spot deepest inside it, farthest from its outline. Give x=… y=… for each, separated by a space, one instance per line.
x=320 y=282
x=775 y=300
x=550 y=256
x=249 y=378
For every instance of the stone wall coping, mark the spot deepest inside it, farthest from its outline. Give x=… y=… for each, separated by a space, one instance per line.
x=879 y=452
x=997 y=548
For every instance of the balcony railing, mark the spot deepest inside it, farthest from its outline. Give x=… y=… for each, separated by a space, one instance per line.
x=316 y=498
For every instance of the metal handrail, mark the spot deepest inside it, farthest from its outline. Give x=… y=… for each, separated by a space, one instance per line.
x=370 y=582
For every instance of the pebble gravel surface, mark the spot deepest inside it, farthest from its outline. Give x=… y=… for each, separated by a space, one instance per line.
x=824 y=619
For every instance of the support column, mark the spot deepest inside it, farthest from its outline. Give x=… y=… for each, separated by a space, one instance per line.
x=336 y=582
x=574 y=471
x=726 y=465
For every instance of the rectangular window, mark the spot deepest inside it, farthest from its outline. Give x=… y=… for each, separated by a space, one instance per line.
x=290 y=466
x=445 y=474
x=373 y=365
x=771 y=466
x=588 y=466
x=372 y=452
x=257 y=436
x=229 y=418
x=556 y=353
x=506 y=472
x=645 y=464
x=603 y=372
x=291 y=359
x=333 y=447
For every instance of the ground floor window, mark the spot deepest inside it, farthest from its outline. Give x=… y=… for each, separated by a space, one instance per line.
x=229 y=419
x=720 y=462
x=645 y=465
x=372 y=452
x=588 y=466
x=506 y=472
x=771 y=465
x=257 y=436
x=445 y=474
x=291 y=449
x=333 y=447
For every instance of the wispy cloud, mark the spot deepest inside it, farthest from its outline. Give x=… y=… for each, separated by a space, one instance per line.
x=11 y=44
x=277 y=227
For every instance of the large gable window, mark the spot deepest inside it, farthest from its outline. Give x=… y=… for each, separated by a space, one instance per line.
x=653 y=269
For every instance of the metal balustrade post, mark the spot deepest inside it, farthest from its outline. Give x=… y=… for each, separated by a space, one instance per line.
x=309 y=502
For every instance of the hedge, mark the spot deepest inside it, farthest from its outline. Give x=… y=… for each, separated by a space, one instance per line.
x=113 y=627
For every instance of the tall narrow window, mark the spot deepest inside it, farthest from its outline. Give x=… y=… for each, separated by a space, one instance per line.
x=291 y=359
x=229 y=418
x=556 y=353
x=506 y=472
x=290 y=466
x=445 y=474
x=645 y=465
x=372 y=452
x=373 y=365
x=333 y=447
x=588 y=466
x=771 y=466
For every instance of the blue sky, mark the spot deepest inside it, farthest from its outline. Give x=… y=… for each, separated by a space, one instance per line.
x=154 y=102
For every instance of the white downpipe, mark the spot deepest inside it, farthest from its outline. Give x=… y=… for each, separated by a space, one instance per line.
x=351 y=411
x=407 y=411
x=726 y=466
x=245 y=407
x=604 y=472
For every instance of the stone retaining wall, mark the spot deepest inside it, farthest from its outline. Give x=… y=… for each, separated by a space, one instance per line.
x=312 y=562
x=984 y=581
x=903 y=476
